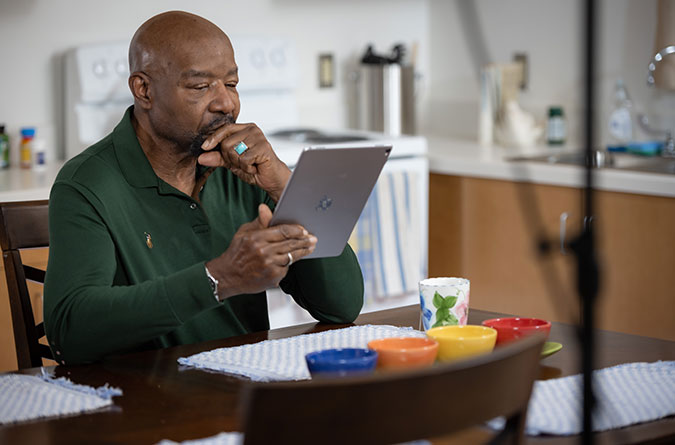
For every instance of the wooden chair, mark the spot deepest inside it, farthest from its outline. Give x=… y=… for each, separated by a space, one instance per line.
x=23 y=225
x=385 y=408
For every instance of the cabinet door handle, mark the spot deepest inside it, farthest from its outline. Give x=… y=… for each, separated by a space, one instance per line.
x=588 y=221
x=563 y=229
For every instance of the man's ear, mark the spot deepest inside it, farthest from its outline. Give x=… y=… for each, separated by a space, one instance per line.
x=139 y=84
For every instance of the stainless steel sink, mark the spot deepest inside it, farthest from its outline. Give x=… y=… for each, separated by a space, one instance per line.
x=606 y=160
x=656 y=165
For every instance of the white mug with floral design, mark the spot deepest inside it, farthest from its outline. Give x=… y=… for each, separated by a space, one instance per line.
x=444 y=301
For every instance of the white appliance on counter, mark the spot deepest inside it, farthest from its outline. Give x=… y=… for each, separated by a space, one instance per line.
x=390 y=238
x=96 y=93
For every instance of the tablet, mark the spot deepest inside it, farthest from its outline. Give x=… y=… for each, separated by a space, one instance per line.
x=327 y=191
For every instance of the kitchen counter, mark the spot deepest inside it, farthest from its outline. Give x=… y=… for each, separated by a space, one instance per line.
x=18 y=184
x=446 y=156
x=459 y=157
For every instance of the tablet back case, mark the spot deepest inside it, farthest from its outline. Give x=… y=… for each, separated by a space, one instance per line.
x=327 y=192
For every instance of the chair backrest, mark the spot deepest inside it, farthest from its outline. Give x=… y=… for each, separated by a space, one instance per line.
x=24 y=225
x=396 y=407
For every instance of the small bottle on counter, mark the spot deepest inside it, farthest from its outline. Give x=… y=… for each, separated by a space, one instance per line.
x=26 y=147
x=39 y=155
x=4 y=147
x=620 y=119
x=555 y=128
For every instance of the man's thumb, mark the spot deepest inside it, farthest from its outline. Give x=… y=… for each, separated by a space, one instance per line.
x=264 y=215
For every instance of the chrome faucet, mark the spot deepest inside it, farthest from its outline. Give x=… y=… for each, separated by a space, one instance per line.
x=657 y=58
x=668 y=149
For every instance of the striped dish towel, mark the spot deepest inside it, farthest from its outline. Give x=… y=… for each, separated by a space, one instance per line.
x=386 y=238
x=284 y=359
x=27 y=397
x=626 y=394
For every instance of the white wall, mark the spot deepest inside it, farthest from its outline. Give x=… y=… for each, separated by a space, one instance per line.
x=36 y=33
x=550 y=32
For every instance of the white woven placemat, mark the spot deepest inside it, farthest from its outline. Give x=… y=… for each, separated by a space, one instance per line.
x=626 y=394
x=284 y=359
x=27 y=397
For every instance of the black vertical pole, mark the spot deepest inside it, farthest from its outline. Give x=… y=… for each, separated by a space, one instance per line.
x=585 y=249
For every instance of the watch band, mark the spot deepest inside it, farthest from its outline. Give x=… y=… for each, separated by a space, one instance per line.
x=213 y=282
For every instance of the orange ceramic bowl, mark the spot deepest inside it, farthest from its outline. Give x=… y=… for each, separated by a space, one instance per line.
x=404 y=352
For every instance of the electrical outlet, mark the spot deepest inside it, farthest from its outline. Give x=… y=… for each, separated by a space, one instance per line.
x=326 y=71
x=522 y=59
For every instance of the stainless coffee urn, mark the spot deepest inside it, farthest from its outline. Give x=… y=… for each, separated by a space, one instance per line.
x=385 y=87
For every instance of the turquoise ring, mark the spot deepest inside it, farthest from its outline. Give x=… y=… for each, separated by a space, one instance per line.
x=240 y=147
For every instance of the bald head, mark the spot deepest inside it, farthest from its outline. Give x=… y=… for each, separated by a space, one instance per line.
x=166 y=36
x=184 y=81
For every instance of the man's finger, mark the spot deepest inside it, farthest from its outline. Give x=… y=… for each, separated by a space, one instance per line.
x=282 y=259
x=228 y=157
x=212 y=159
x=291 y=245
x=231 y=157
x=275 y=234
x=301 y=253
x=249 y=135
x=255 y=153
x=284 y=232
x=222 y=133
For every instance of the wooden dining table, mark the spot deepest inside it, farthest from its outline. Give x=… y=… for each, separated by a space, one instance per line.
x=164 y=400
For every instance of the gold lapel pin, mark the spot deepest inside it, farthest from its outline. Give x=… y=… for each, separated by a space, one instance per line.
x=148 y=240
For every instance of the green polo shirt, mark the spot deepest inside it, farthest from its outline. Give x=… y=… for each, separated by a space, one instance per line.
x=127 y=253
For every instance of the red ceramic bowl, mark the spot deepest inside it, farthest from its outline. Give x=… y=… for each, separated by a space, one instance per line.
x=513 y=328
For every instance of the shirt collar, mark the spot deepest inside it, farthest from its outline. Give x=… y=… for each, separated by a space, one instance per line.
x=132 y=160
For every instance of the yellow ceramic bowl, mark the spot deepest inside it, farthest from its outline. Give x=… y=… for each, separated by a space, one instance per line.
x=455 y=342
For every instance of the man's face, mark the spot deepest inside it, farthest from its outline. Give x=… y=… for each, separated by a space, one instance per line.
x=196 y=93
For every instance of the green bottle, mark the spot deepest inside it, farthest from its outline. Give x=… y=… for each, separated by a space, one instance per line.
x=4 y=147
x=555 y=129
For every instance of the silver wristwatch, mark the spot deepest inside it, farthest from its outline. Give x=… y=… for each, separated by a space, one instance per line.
x=213 y=282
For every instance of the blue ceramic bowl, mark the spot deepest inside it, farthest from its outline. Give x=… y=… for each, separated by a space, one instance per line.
x=341 y=362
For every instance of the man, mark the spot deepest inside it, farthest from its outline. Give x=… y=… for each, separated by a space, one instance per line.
x=159 y=233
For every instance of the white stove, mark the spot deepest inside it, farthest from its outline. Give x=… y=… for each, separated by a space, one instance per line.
x=288 y=143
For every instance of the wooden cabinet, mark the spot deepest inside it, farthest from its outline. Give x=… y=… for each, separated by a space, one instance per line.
x=36 y=258
x=490 y=230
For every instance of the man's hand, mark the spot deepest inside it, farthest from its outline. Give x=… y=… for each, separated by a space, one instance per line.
x=257 y=258
x=258 y=165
